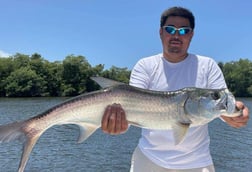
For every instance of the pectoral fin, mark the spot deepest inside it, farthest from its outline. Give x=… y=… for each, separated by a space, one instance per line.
x=179 y=131
x=86 y=130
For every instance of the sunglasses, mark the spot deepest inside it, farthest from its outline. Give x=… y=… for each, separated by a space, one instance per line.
x=172 y=30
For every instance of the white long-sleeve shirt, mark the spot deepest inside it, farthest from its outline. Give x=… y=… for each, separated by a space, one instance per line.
x=156 y=73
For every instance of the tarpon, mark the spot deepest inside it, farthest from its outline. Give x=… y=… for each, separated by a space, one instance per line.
x=176 y=110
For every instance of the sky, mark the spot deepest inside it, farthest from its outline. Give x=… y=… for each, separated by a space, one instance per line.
x=120 y=32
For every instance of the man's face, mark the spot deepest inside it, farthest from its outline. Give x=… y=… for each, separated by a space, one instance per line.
x=175 y=46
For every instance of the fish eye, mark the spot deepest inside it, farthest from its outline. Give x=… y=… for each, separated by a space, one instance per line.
x=215 y=95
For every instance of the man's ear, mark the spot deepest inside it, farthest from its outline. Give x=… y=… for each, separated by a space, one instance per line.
x=192 y=35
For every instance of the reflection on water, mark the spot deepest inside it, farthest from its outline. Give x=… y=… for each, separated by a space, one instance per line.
x=57 y=150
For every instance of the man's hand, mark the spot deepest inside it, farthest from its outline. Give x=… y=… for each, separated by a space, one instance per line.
x=114 y=120
x=239 y=121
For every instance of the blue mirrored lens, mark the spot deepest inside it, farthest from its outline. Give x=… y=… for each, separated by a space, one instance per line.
x=183 y=31
x=172 y=30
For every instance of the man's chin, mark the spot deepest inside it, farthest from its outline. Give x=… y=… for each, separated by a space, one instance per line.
x=174 y=50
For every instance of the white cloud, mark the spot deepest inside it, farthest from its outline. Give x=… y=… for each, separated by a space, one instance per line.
x=4 y=54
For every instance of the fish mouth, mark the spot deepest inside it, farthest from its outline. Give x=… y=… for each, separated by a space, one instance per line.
x=226 y=105
x=231 y=104
x=230 y=107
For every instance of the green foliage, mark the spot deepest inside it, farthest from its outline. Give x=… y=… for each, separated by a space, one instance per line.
x=118 y=74
x=75 y=70
x=238 y=76
x=6 y=67
x=23 y=75
x=24 y=82
x=54 y=79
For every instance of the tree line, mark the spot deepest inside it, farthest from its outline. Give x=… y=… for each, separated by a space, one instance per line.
x=31 y=75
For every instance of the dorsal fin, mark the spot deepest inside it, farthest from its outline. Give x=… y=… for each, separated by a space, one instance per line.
x=105 y=82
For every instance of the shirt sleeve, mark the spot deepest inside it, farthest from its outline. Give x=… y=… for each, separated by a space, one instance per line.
x=139 y=75
x=216 y=79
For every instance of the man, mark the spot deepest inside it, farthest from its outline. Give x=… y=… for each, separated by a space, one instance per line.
x=173 y=69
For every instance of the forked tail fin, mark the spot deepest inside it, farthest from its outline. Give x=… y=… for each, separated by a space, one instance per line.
x=20 y=131
x=12 y=132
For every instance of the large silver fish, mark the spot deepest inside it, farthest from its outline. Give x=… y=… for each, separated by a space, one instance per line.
x=175 y=110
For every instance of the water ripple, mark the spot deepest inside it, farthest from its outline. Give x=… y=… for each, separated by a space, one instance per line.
x=58 y=151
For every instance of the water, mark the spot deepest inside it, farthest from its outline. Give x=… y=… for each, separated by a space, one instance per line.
x=58 y=151
x=231 y=148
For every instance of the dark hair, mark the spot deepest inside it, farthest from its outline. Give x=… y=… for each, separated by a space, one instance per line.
x=177 y=11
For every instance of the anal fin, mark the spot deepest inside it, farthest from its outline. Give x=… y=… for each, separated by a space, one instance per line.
x=86 y=130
